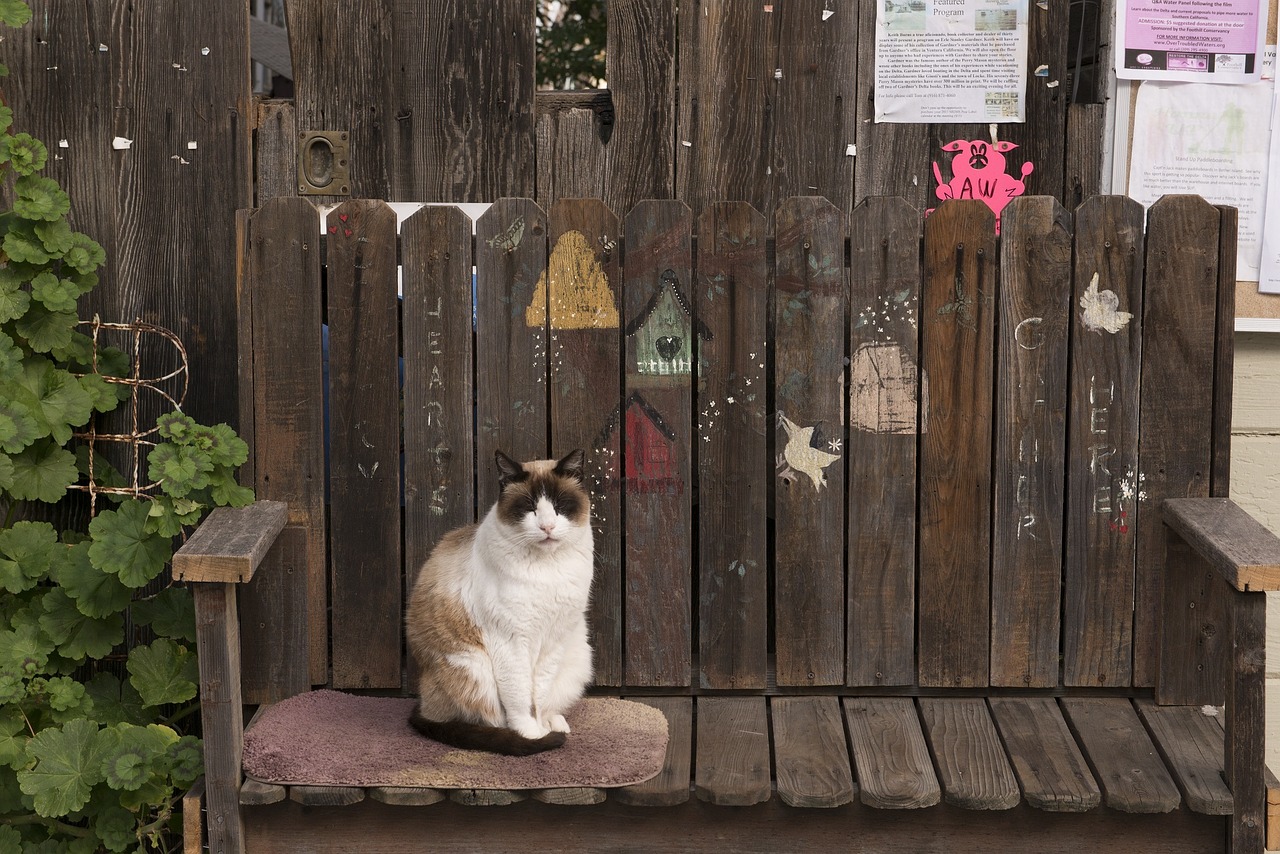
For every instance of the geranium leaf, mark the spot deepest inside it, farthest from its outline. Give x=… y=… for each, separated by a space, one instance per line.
x=68 y=766
x=76 y=635
x=57 y=295
x=163 y=672
x=85 y=254
x=17 y=428
x=170 y=613
x=136 y=754
x=14 y=302
x=25 y=153
x=122 y=545
x=39 y=198
x=97 y=593
x=15 y=13
x=114 y=701
x=27 y=551
x=46 y=330
x=43 y=472
x=186 y=760
x=54 y=397
x=10 y=358
x=55 y=236
x=116 y=826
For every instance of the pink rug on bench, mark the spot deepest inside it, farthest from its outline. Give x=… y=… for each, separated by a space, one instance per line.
x=328 y=738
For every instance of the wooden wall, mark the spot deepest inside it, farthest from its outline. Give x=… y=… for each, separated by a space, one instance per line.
x=172 y=76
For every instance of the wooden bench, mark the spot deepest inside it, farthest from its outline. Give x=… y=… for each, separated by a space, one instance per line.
x=921 y=544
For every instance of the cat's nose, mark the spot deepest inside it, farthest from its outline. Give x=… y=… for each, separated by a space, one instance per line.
x=547 y=527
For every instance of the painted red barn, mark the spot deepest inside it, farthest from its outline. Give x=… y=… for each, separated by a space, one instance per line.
x=650 y=453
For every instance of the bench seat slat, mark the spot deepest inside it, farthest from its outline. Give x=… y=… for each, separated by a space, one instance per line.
x=1191 y=743
x=811 y=756
x=733 y=751
x=575 y=796
x=404 y=796
x=671 y=786
x=1049 y=765
x=972 y=765
x=326 y=796
x=1132 y=777
x=894 y=771
x=256 y=793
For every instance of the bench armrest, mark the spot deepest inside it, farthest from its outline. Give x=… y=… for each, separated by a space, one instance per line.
x=1244 y=553
x=230 y=543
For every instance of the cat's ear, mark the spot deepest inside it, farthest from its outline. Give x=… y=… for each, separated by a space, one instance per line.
x=509 y=471
x=571 y=466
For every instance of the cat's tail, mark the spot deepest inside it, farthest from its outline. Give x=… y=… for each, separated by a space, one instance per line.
x=494 y=739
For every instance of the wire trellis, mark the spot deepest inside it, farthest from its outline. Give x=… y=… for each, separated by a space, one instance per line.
x=134 y=439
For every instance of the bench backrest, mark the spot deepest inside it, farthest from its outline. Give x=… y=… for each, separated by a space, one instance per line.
x=826 y=452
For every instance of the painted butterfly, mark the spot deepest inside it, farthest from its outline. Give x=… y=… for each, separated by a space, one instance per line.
x=508 y=240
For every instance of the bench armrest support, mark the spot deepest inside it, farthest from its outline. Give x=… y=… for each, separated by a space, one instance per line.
x=231 y=543
x=1243 y=552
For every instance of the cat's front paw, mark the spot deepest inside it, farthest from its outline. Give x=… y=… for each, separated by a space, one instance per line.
x=558 y=723
x=529 y=728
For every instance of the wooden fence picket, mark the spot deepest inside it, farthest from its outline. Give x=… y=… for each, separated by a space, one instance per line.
x=582 y=289
x=364 y=433
x=731 y=301
x=809 y=341
x=655 y=417
x=884 y=408
x=1031 y=405
x=1102 y=436
x=957 y=323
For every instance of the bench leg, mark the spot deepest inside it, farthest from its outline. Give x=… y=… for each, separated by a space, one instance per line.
x=1246 y=720
x=218 y=634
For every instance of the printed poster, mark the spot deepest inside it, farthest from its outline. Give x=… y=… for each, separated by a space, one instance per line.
x=951 y=61
x=1206 y=139
x=1202 y=41
x=1269 y=272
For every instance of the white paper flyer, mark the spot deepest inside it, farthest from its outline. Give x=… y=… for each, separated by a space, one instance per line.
x=1206 y=139
x=951 y=61
x=1202 y=41
x=1269 y=272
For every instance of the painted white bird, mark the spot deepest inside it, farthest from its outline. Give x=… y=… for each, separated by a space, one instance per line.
x=801 y=457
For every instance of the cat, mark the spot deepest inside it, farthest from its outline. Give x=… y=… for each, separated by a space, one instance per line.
x=497 y=617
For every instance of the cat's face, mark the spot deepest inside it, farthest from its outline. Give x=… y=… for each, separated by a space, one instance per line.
x=543 y=503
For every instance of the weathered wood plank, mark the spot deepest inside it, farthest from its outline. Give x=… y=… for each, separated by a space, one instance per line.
x=572 y=158
x=886 y=388
x=439 y=473
x=1086 y=126
x=326 y=796
x=364 y=455
x=1031 y=405
x=732 y=303
x=244 y=343
x=193 y=818
x=230 y=544
x=582 y=289
x=1246 y=720
x=972 y=766
x=810 y=333
x=221 y=716
x=1176 y=446
x=289 y=389
x=258 y=793
x=656 y=417
x=511 y=355
x=405 y=797
x=671 y=785
x=1191 y=744
x=457 y=117
x=486 y=797
x=957 y=351
x=275 y=148
x=571 y=797
x=342 y=59
x=889 y=752
x=274 y=636
x=1243 y=551
x=1050 y=769
x=725 y=124
x=732 y=767
x=1132 y=777
x=1224 y=351
x=815 y=77
x=1193 y=639
x=811 y=756
x=1102 y=453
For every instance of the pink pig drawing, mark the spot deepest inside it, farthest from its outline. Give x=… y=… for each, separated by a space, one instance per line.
x=977 y=172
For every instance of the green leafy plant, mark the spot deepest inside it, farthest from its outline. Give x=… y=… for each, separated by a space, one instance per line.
x=90 y=760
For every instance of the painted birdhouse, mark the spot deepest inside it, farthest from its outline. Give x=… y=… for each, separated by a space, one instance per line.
x=650 y=450
x=663 y=331
x=886 y=390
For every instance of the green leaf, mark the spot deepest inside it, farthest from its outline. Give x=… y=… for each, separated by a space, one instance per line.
x=227 y=493
x=122 y=545
x=15 y=13
x=55 y=397
x=105 y=395
x=76 y=635
x=10 y=840
x=178 y=469
x=53 y=293
x=85 y=254
x=186 y=760
x=68 y=765
x=6 y=113
x=54 y=236
x=97 y=593
x=43 y=472
x=116 y=826
x=66 y=694
x=6 y=473
x=40 y=198
x=13 y=738
x=25 y=649
x=25 y=153
x=222 y=444
x=14 y=302
x=163 y=672
x=27 y=552
x=175 y=426
x=171 y=613
x=17 y=428
x=46 y=330
x=12 y=687
x=115 y=701
x=10 y=358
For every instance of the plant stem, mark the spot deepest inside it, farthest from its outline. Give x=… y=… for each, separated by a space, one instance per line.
x=183 y=712
x=51 y=823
